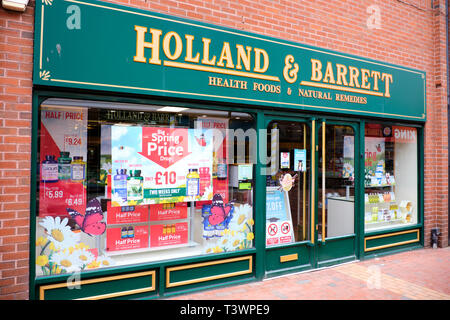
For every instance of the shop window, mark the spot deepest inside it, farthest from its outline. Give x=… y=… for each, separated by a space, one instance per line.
x=391 y=182
x=120 y=184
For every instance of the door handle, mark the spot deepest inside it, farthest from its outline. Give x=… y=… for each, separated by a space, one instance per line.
x=323 y=180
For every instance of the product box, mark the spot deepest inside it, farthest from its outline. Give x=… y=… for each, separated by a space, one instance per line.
x=168 y=211
x=126 y=238
x=127 y=214
x=168 y=234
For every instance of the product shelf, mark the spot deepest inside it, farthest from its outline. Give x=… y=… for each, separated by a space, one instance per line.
x=133 y=251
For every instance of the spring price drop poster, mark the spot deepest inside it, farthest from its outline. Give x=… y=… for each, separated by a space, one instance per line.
x=163 y=165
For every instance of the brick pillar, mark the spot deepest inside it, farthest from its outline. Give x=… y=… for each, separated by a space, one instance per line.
x=16 y=64
x=440 y=125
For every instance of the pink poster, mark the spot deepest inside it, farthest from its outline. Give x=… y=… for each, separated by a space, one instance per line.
x=168 y=234
x=168 y=211
x=127 y=238
x=62 y=169
x=128 y=214
x=54 y=198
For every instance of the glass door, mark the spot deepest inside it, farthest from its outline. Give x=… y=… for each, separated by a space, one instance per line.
x=287 y=183
x=336 y=223
x=310 y=193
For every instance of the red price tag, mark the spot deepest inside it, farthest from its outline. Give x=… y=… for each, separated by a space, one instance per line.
x=55 y=198
x=72 y=140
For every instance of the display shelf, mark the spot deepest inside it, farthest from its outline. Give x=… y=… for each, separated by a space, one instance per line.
x=379 y=186
x=142 y=250
x=384 y=222
x=378 y=203
x=380 y=225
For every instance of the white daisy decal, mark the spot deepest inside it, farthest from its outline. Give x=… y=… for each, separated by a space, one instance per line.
x=84 y=256
x=59 y=232
x=105 y=261
x=68 y=261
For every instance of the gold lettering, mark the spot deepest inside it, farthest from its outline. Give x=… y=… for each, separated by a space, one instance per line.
x=258 y=53
x=341 y=74
x=354 y=74
x=244 y=57
x=329 y=76
x=387 y=78
x=365 y=78
x=375 y=75
x=206 y=59
x=178 y=45
x=226 y=55
x=316 y=70
x=141 y=44
x=189 y=58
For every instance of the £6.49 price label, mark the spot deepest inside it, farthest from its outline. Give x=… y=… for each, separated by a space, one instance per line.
x=55 y=198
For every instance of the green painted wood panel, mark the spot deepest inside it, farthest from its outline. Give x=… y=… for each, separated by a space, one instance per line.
x=209 y=272
x=391 y=240
x=100 y=288
x=274 y=257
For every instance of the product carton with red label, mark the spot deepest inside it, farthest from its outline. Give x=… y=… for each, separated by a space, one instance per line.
x=126 y=238
x=127 y=214
x=168 y=234
x=168 y=211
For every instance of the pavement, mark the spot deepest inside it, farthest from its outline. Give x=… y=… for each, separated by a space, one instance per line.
x=422 y=274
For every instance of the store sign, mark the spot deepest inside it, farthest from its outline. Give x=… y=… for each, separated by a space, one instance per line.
x=160 y=165
x=404 y=134
x=169 y=56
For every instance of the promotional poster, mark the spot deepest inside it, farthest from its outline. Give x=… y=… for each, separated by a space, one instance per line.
x=160 y=165
x=63 y=145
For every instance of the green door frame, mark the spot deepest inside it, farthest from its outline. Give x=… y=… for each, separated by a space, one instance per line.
x=314 y=243
x=358 y=232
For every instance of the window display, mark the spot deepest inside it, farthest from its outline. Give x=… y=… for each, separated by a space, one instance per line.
x=391 y=183
x=121 y=184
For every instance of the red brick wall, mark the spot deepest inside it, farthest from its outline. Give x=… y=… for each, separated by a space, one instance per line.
x=411 y=33
x=16 y=64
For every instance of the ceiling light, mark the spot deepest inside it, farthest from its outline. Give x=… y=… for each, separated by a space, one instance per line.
x=171 y=109
x=15 y=5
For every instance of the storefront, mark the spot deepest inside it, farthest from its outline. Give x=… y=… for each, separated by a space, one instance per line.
x=171 y=155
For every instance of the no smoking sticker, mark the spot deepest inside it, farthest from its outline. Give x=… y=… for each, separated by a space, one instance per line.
x=285 y=228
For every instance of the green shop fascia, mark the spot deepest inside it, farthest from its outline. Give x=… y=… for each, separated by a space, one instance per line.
x=171 y=155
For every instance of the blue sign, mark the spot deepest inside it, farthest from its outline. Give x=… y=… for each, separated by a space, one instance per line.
x=300 y=159
x=275 y=205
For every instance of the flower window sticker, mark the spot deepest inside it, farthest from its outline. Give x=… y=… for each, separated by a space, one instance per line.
x=60 y=250
x=237 y=235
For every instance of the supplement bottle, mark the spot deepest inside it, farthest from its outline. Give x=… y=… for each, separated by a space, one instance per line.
x=78 y=169
x=192 y=183
x=64 y=162
x=205 y=179
x=120 y=184
x=49 y=169
x=135 y=186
